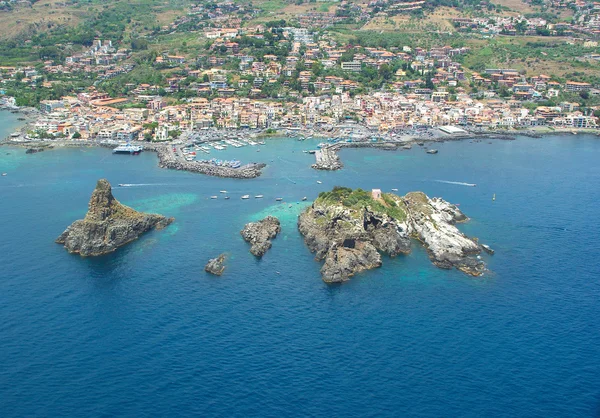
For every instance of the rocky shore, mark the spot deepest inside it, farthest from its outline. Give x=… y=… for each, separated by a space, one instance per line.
x=350 y=228
x=260 y=234
x=107 y=225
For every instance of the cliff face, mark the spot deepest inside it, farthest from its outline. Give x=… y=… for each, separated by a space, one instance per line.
x=107 y=225
x=348 y=228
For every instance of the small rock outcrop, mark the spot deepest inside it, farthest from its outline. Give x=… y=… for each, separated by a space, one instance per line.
x=216 y=266
x=107 y=225
x=260 y=234
x=327 y=159
x=350 y=228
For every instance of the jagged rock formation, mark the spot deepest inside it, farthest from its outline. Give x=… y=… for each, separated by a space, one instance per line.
x=260 y=233
x=216 y=266
x=327 y=159
x=107 y=225
x=343 y=262
x=349 y=228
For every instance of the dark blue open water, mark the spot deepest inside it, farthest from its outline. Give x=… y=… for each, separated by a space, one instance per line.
x=145 y=332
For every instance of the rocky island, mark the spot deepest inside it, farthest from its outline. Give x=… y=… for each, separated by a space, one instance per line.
x=260 y=234
x=350 y=229
x=216 y=266
x=107 y=225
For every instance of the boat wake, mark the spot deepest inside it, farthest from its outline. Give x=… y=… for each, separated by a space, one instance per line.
x=141 y=184
x=458 y=183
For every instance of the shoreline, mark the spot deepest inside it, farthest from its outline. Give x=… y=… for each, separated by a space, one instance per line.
x=326 y=159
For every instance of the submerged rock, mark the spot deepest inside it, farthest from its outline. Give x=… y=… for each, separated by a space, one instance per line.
x=216 y=266
x=260 y=233
x=107 y=225
x=345 y=227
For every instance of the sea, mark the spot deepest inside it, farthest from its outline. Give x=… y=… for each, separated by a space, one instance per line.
x=144 y=331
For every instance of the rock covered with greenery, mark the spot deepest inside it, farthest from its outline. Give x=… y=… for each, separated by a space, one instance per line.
x=107 y=225
x=350 y=228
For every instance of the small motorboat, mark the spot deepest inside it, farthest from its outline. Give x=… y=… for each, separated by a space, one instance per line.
x=222 y=191
x=226 y=197
x=213 y=197
x=4 y=174
x=258 y=196
x=246 y=196
x=279 y=199
x=394 y=190
x=432 y=151
x=319 y=182
x=304 y=199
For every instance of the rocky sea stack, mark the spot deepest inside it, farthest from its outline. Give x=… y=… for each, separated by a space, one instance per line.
x=260 y=234
x=350 y=228
x=216 y=266
x=108 y=225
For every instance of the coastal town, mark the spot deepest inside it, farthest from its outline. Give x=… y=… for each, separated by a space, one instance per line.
x=246 y=82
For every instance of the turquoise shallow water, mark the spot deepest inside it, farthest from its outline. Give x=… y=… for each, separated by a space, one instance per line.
x=145 y=332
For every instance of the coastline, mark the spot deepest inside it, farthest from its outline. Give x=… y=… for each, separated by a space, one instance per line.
x=169 y=159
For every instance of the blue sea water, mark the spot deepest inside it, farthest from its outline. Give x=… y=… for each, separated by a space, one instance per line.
x=145 y=332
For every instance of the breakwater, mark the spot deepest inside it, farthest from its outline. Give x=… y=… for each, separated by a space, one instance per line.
x=168 y=159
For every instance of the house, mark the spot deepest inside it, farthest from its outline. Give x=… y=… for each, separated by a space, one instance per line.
x=376 y=194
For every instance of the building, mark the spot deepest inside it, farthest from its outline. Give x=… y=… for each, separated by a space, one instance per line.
x=574 y=86
x=49 y=106
x=352 y=66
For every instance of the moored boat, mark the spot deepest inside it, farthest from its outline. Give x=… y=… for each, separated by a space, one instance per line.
x=246 y=196
x=128 y=149
x=432 y=151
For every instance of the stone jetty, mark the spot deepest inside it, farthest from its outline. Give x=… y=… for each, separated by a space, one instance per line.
x=168 y=159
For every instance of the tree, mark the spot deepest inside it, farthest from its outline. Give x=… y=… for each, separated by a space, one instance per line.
x=385 y=72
